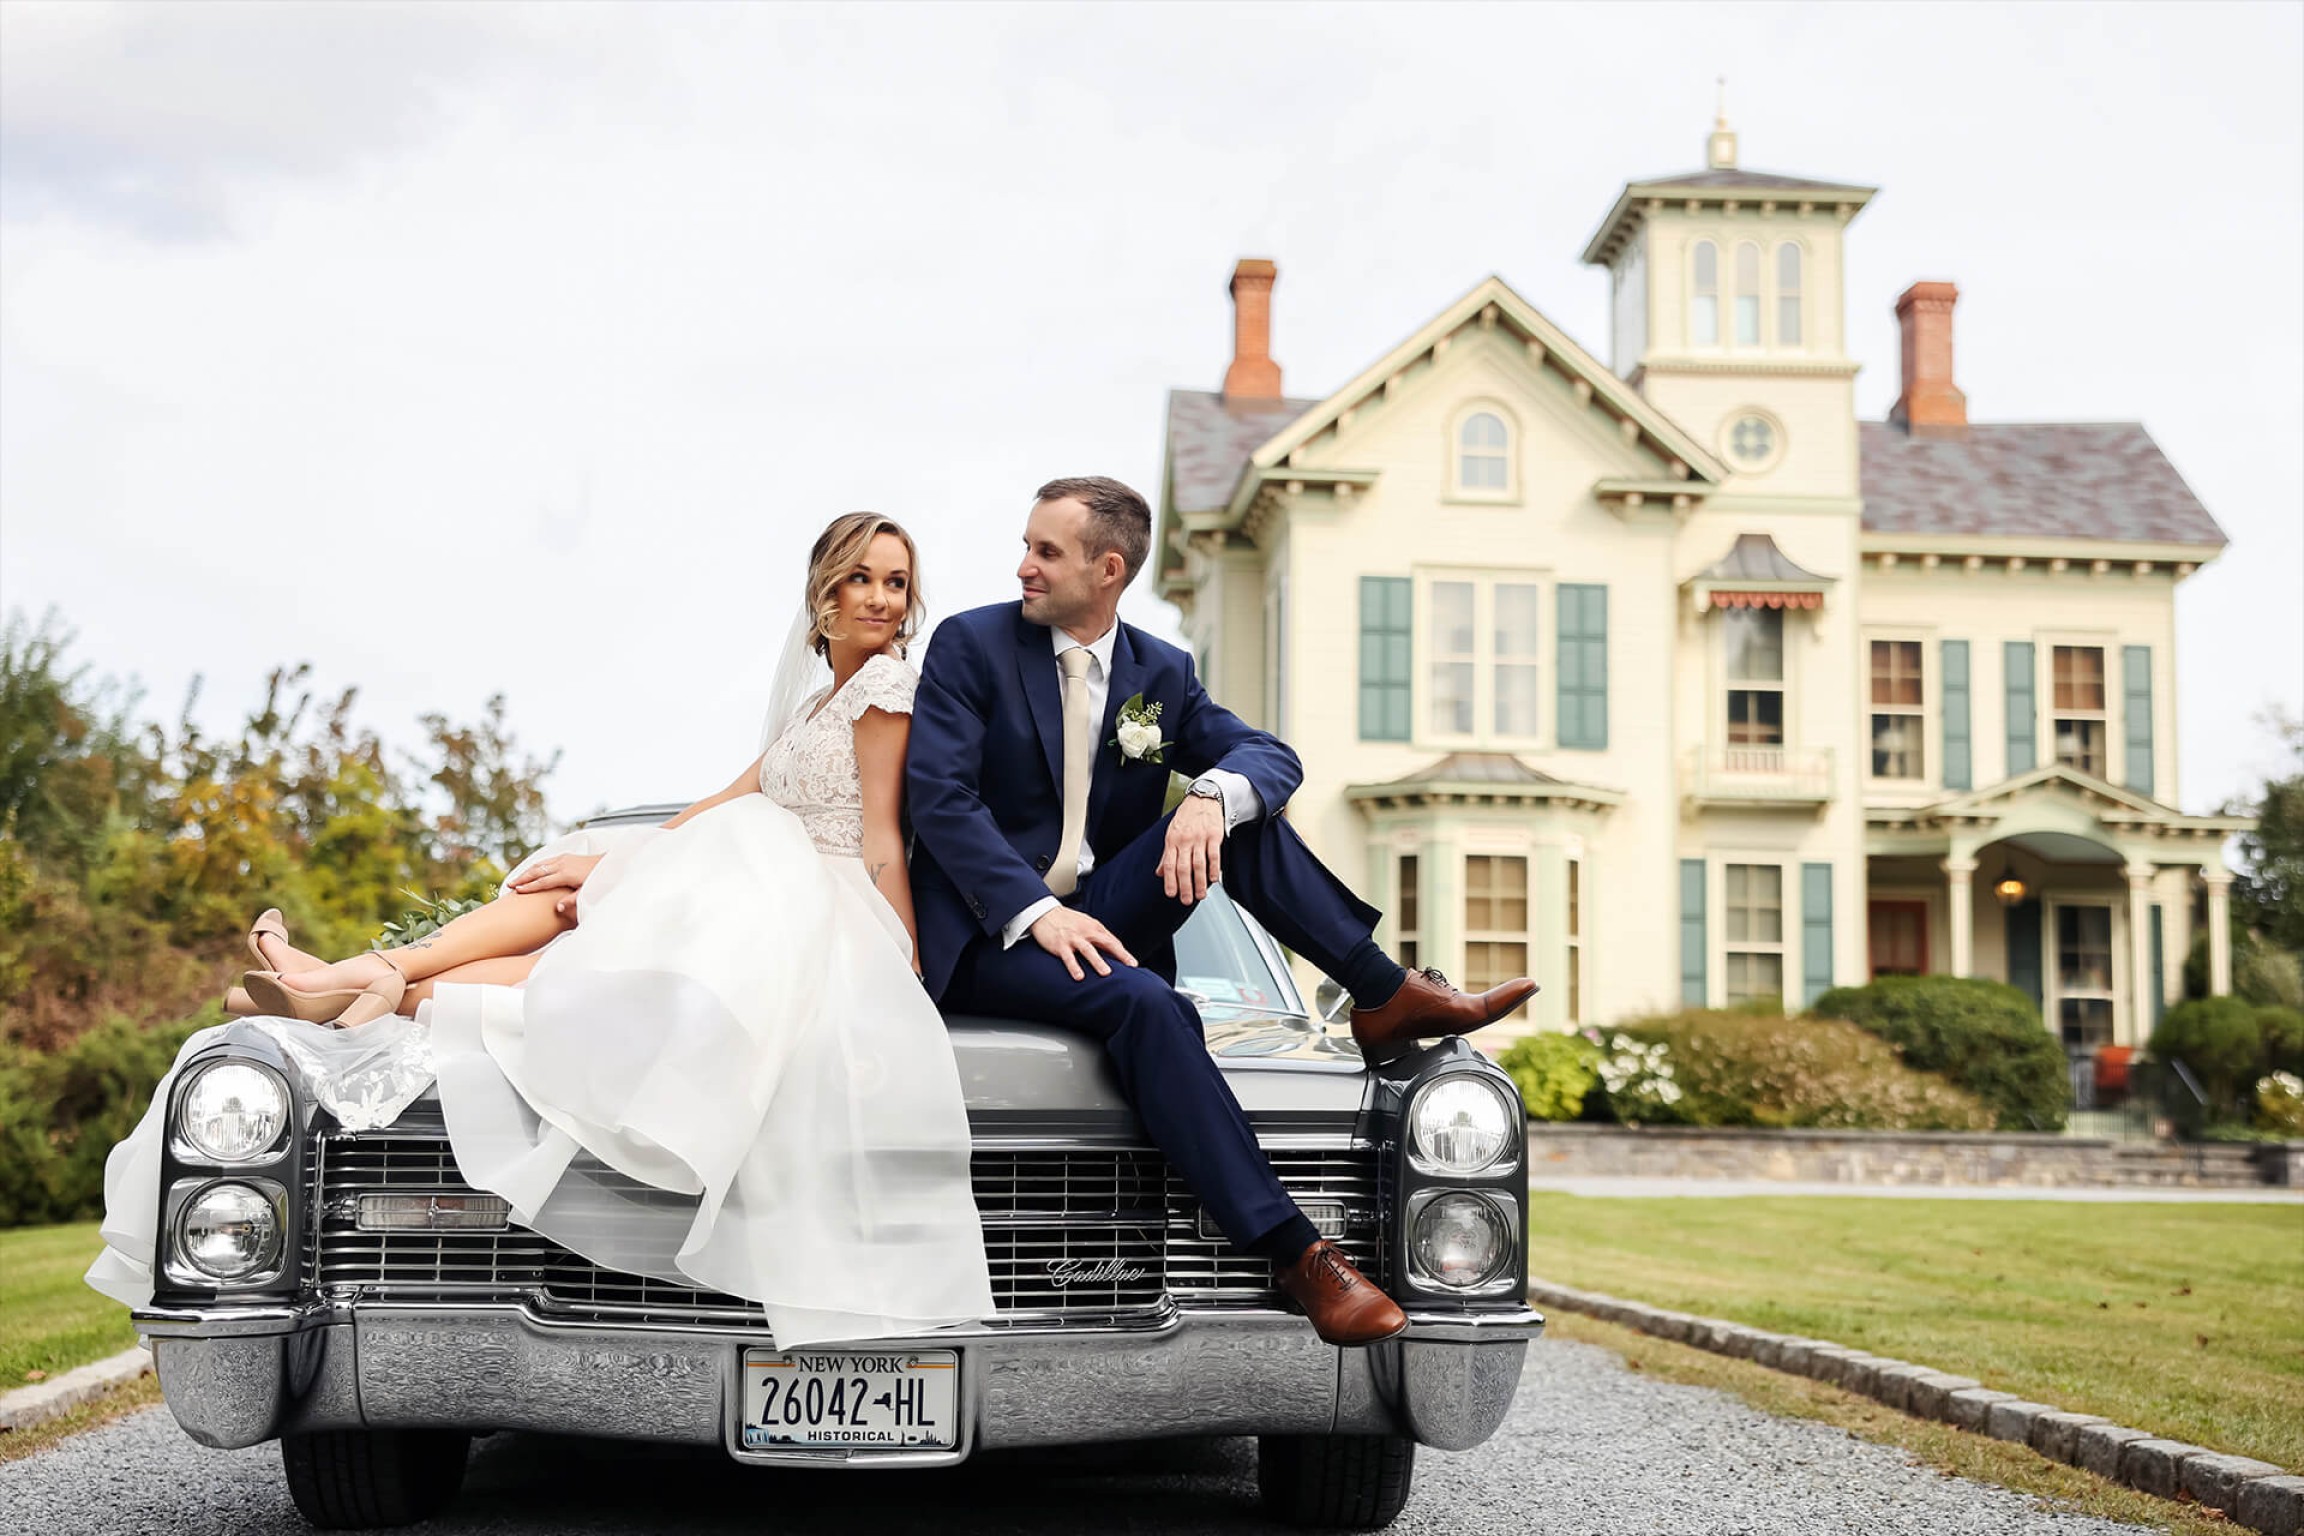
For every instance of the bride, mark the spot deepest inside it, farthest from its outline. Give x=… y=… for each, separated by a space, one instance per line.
x=704 y=1054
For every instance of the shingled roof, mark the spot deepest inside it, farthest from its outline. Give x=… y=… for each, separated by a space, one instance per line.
x=1729 y=178
x=2089 y=480
x=1210 y=439
x=2092 y=480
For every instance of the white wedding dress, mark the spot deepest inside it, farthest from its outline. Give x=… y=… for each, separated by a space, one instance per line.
x=735 y=1025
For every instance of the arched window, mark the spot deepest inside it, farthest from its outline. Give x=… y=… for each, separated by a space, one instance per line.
x=1788 y=295
x=1704 y=307
x=1747 y=295
x=1482 y=453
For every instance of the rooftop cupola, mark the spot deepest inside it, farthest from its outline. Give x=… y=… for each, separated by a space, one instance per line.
x=1720 y=148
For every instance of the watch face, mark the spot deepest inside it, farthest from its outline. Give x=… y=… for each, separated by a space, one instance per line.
x=1206 y=792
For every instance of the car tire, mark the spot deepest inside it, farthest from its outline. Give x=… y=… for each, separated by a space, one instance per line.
x=1359 y=1482
x=359 y=1479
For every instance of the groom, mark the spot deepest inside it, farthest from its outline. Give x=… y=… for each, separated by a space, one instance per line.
x=1049 y=885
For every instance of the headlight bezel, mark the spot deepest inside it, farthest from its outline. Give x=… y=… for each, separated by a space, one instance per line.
x=187 y=1146
x=183 y=1197
x=1410 y=1183
x=281 y=1173
x=1500 y=1276
x=1507 y=1108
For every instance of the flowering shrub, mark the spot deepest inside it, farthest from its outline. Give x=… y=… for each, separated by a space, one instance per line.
x=1637 y=1075
x=1555 y=1073
x=2280 y=1104
x=1766 y=1070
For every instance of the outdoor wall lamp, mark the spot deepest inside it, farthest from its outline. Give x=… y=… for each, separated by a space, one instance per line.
x=2010 y=891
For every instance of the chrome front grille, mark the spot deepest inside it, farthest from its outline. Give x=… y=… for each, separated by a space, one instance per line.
x=1206 y=1270
x=1071 y=1234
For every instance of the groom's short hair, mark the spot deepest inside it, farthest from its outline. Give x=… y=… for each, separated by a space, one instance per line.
x=1118 y=519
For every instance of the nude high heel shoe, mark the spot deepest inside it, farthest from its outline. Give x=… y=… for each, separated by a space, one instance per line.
x=269 y=924
x=341 y=1008
x=239 y=1004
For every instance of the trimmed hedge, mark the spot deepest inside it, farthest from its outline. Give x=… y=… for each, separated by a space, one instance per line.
x=2229 y=1045
x=1985 y=1036
x=1761 y=1069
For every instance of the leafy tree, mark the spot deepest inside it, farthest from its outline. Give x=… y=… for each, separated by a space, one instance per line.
x=2269 y=896
x=491 y=801
x=135 y=853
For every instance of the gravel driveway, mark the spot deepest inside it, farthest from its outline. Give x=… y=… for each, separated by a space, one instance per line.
x=1591 y=1449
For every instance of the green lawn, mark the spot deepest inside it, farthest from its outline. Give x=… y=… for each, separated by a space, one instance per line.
x=2187 y=1320
x=49 y=1320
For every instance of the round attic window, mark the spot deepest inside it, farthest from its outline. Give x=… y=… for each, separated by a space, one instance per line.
x=1754 y=440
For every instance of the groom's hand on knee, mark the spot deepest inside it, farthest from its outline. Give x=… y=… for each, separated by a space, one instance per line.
x=1194 y=857
x=1073 y=936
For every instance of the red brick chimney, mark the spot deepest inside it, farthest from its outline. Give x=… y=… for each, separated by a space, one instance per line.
x=1931 y=403
x=1253 y=375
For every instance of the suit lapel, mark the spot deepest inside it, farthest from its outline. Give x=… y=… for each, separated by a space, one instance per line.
x=1036 y=670
x=1126 y=682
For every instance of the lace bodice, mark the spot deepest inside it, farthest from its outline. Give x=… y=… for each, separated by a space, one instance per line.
x=810 y=770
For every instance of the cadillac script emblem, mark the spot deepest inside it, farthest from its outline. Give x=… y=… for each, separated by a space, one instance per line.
x=1068 y=1272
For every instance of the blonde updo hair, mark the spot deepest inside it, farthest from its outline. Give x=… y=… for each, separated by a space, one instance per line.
x=839 y=550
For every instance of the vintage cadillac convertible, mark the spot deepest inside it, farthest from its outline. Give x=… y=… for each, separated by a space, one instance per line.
x=350 y=1295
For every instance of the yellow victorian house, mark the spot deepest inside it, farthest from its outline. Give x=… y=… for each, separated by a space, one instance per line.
x=1670 y=682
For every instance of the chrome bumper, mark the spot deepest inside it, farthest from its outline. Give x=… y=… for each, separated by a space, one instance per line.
x=235 y=1377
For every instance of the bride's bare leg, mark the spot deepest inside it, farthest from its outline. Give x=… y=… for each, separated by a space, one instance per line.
x=502 y=971
x=508 y=927
x=285 y=957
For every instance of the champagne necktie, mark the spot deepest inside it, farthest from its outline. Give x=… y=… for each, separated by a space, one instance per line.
x=1079 y=759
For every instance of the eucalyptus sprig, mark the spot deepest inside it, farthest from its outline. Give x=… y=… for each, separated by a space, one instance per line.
x=426 y=918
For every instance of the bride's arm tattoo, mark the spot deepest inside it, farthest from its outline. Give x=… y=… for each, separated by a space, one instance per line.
x=873 y=871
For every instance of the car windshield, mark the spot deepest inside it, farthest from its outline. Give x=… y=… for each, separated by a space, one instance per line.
x=1224 y=958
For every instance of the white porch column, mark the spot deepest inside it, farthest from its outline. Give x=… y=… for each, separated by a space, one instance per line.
x=1960 y=888
x=2219 y=882
x=2141 y=1001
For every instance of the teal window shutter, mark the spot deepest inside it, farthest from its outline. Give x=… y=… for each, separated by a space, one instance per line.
x=1692 y=950
x=2023 y=711
x=1815 y=932
x=2024 y=950
x=1384 y=658
x=1959 y=758
x=2159 y=971
x=2136 y=714
x=1583 y=712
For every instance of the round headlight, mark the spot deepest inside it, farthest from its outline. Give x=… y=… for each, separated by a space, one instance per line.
x=1461 y=1125
x=234 y=1110
x=229 y=1230
x=1461 y=1240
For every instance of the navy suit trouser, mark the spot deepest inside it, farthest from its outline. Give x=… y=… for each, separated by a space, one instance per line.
x=1151 y=1032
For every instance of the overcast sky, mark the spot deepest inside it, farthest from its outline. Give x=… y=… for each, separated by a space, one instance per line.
x=460 y=350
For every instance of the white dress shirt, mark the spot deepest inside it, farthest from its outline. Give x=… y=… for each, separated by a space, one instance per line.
x=1235 y=794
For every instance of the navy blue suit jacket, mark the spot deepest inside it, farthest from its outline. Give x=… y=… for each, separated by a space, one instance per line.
x=985 y=772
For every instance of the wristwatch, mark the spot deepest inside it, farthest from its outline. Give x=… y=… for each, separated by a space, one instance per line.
x=1205 y=789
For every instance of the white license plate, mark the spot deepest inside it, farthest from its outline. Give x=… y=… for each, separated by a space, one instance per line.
x=830 y=1399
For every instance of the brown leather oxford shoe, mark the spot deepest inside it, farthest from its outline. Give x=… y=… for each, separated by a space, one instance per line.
x=1426 y=1005
x=1345 y=1306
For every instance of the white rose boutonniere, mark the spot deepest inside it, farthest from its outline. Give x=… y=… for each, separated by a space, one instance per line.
x=1139 y=732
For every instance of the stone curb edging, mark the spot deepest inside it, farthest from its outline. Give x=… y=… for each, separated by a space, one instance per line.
x=2253 y=1493
x=27 y=1406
